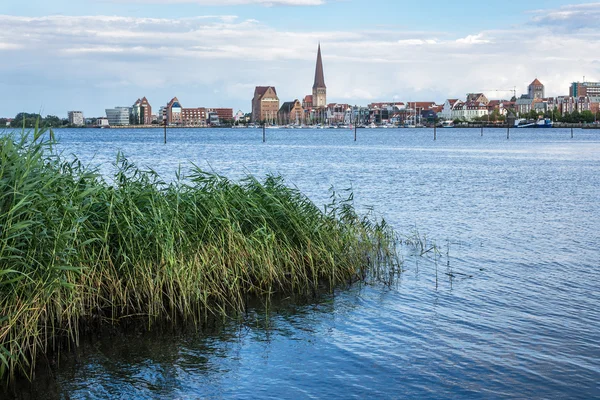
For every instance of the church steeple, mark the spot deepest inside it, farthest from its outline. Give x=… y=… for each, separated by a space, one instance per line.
x=319 y=88
x=319 y=76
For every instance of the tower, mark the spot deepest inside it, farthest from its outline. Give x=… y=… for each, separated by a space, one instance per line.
x=536 y=90
x=319 y=88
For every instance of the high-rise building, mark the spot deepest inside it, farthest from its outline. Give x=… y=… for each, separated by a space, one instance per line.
x=76 y=118
x=590 y=89
x=319 y=92
x=141 y=112
x=174 y=112
x=535 y=90
x=265 y=104
x=118 y=116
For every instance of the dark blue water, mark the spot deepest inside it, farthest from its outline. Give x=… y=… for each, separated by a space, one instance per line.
x=509 y=309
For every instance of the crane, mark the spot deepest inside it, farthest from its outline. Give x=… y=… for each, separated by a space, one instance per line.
x=513 y=90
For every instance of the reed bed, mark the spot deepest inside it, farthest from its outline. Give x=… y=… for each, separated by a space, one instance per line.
x=79 y=249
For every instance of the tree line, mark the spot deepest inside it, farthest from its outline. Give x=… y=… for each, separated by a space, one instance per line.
x=555 y=115
x=29 y=120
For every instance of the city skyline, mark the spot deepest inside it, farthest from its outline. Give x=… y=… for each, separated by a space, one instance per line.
x=102 y=54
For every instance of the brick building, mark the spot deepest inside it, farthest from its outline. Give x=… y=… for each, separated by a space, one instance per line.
x=224 y=114
x=141 y=112
x=265 y=104
x=319 y=92
x=583 y=89
x=291 y=112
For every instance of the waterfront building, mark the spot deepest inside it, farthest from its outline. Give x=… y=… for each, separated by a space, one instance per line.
x=447 y=108
x=307 y=103
x=174 y=112
x=224 y=114
x=291 y=112
x=569 y=104
x=536 y=90
x=265 y=104
x=477 y=98
x=102 y=122
x=499 y=106
x=457 y=110
x=194 y=116
x=338 y=113
x=319 y=91
x=360 y=114
x=383 y=113
x=76 y=118
x=470 y=110
x=524 y=104
x=179 y=116
x=141 y=112
x=118 y=116
x=213 y=118
x=239 y=116
x=590 y=89
x=594 y=104
x=541 y=106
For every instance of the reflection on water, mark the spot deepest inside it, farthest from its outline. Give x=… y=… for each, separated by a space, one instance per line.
x=508 y=310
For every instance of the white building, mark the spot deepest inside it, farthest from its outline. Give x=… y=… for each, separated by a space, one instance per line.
x=446 y=112
x=76 y=118
x=102 y=122
x=469 y=111
x=118 y=116
x=238 y=116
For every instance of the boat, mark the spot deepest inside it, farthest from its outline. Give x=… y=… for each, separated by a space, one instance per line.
x=523 y=123
x=448 y=124
x=544 y=123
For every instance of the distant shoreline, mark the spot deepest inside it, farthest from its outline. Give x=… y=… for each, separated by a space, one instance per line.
x=557 y=125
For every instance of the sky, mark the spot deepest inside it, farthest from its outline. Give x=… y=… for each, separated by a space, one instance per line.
x=89 y=55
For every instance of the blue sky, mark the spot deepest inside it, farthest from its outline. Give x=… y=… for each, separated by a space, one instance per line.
x=92 y=54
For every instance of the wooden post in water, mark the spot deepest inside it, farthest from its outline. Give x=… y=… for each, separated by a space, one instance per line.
x=507 y=129
x=571 y=131
x=434 y=131
x=264 y=135
x=481 y=128
x=165 y=126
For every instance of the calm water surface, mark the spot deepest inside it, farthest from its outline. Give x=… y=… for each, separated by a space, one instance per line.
x=518 y=225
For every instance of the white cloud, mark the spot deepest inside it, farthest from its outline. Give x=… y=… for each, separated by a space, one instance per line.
x=193 y=57
x=572 y=17
x=266 y=3
x=473 y=39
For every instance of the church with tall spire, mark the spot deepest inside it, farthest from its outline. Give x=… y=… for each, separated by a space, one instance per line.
x=319 y=92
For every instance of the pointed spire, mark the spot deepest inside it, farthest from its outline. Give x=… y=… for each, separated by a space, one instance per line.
x=319 y=76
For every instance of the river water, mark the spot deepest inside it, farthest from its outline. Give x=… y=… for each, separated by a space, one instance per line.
x=509 y=309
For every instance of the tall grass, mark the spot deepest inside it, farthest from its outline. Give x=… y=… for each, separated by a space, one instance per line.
x=77 y=249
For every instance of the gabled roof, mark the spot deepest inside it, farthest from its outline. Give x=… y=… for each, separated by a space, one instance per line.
x=288 y=105
x=422 y=104
x=261 y=90
x=536 y=82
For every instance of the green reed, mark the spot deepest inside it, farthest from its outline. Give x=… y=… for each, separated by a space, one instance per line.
x=77 y=249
